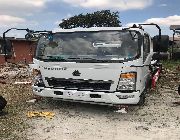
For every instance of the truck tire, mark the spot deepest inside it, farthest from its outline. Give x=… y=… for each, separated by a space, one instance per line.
x=161 y=46
x=143 y=95
x=3 y=103
x=142 y=99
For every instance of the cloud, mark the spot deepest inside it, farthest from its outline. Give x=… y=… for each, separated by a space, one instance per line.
x=120 y=5
x=65 y=17
x=164 y=23
x=21 y=7
x=167 y=21
x=10 y=21
x=163 y=5
x=7 y=22
x=58 y=22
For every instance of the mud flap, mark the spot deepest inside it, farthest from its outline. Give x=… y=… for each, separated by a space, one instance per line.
x=155 y=77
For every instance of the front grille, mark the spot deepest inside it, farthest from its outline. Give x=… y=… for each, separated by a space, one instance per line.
x=79 y=84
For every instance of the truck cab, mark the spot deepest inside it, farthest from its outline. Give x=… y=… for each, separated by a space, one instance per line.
x=98 y=65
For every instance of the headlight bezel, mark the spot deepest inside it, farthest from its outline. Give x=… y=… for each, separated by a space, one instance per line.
x=37 y=78
x=127 y=82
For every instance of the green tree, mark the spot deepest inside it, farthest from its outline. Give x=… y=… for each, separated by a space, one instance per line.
x=104 y=18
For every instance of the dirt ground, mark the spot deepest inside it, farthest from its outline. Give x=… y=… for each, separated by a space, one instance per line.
x=158 y=119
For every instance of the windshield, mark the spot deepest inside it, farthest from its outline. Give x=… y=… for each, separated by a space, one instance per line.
x=100 y=45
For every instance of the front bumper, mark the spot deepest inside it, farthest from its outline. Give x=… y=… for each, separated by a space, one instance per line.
x=115 y=98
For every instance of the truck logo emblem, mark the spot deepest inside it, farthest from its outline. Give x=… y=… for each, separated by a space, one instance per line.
x=76 y=73
x=51 y=68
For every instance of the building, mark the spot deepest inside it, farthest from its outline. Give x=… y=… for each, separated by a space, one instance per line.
x=23 y=51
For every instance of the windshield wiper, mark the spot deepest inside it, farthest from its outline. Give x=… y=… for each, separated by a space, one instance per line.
x=55 y=58
x=74 y=58
x=92 y=60
x=81 y=58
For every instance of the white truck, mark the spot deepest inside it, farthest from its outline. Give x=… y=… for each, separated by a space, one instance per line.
x=98 y=65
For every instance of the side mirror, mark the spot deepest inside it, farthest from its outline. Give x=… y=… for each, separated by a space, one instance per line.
x=161 y=45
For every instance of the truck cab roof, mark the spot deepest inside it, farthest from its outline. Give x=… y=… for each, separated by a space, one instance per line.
x=93 y=29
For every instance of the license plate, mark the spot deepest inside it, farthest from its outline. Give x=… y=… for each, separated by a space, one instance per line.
x=79 y=94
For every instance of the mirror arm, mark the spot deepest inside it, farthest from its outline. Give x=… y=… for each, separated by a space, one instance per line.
x=4 y=39
x=153 y=24
x=4 y=34
x=159 y=38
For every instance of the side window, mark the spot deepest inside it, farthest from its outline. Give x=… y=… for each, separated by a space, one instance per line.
x=146 y=47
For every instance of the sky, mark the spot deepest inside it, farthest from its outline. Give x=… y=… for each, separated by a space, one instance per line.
x=47 y=14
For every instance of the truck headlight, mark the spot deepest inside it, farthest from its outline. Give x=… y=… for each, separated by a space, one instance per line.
x=127 y=82
x=37 y=78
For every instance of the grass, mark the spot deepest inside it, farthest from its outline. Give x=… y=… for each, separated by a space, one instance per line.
x=171 y=64
x=170 y=76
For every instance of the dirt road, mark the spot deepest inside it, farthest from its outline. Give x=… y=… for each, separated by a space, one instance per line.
x=159 y=119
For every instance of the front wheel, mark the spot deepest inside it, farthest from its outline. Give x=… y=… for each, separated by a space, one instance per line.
x=142 y=98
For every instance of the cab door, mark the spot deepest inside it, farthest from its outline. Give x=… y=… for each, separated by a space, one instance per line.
x=146 y=60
